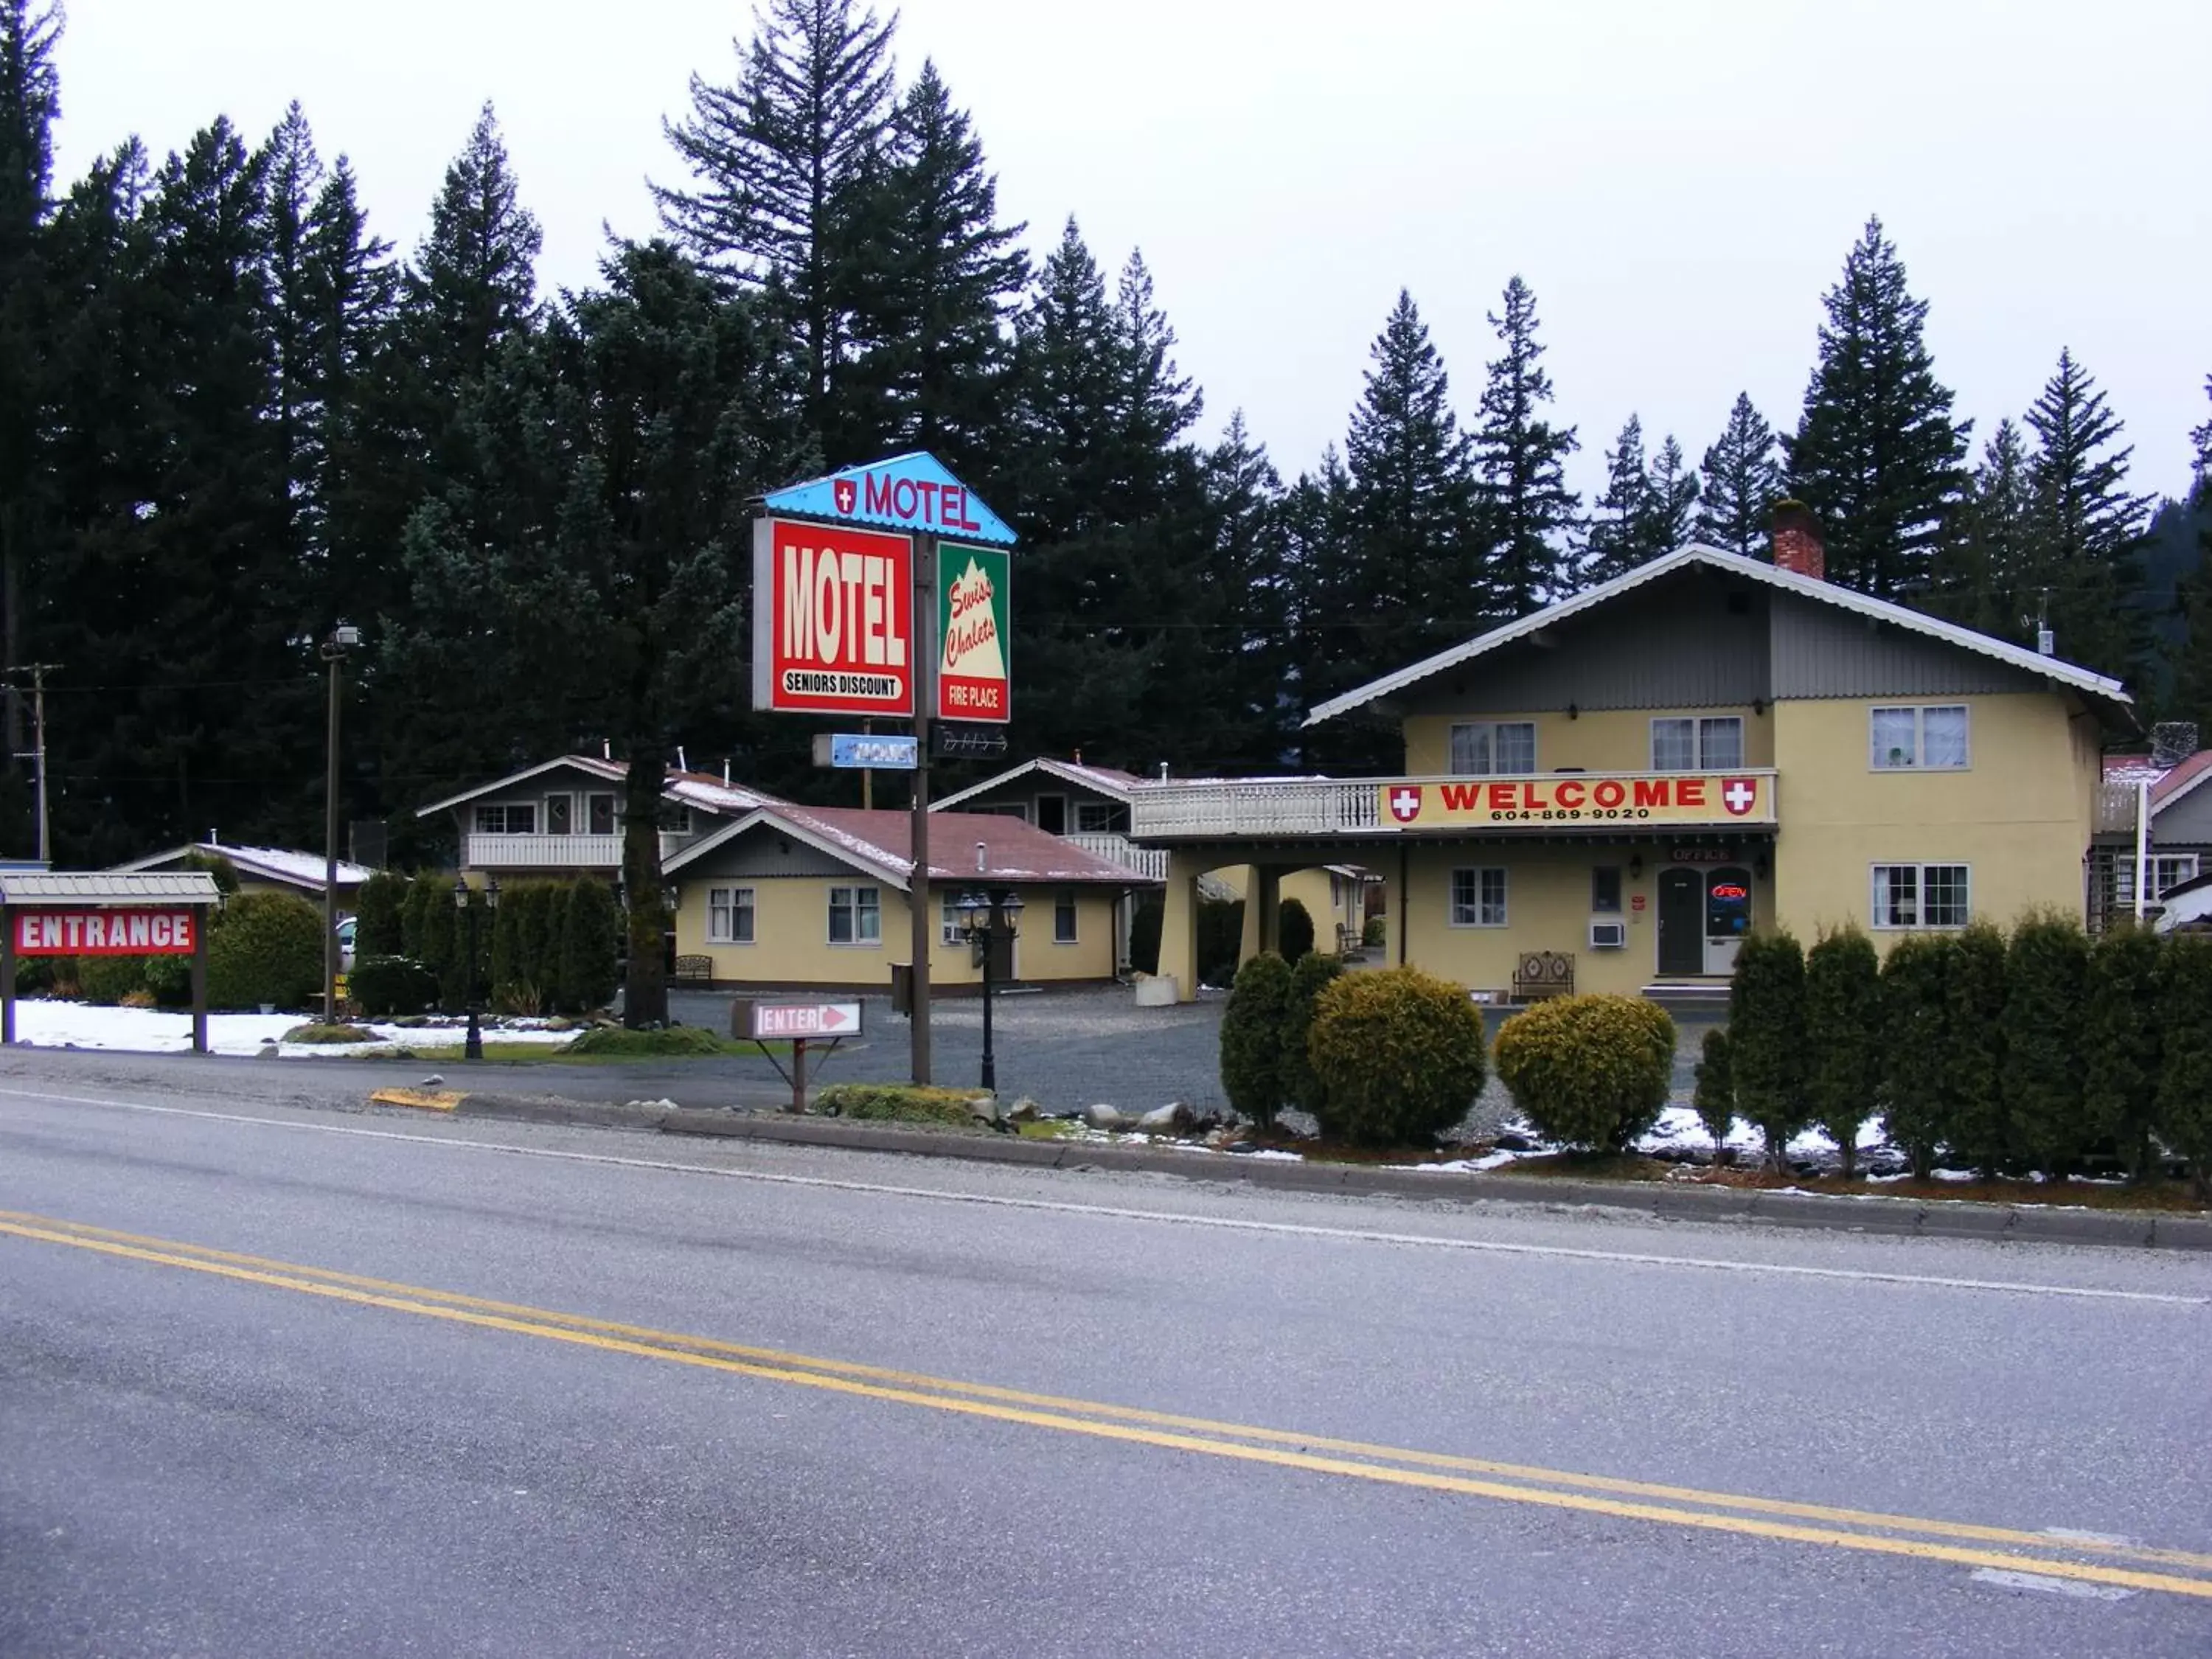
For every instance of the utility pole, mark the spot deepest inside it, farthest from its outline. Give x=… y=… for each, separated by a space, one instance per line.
x=38 y=671
x=925 y=703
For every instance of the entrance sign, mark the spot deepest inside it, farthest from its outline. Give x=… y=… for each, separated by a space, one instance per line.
x=1657 y=797
x=972 y=603
x=804 y=1019
x=854 y=752
x=105 y=932
x=915 y=493
x=832 y=620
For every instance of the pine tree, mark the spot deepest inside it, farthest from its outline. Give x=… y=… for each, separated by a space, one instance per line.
x=1984 y=574
x=1916 y=1028
x=1842 y=1037
x=2192 y=693
x=1671 y=508
x=2121 y=1038
x=1741 y=483
x=772 y=157
x=1520 y=464
x=1976 y=1127
x=1613 y=541
x=1877 y=453
x=1159 y=403
x=2044 y=971
x=473 y=284
x=2184 y=1083
x=2086 y=524
x=1236 y=663
x=1767 y=1038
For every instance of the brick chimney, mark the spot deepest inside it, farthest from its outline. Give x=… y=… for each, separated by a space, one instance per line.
x=1797 y=544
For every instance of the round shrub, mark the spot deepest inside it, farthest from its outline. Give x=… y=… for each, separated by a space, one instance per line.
x=1294 y=927
x=268 y=947
x=1398 y=1054
x=1253 y=1050
x=1312 y=975
x=1588 y=1070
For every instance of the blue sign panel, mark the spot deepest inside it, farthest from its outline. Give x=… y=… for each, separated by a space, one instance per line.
x=870 y=753
x=914 y=493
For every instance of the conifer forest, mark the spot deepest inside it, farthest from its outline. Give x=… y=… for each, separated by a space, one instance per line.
x=233 y=415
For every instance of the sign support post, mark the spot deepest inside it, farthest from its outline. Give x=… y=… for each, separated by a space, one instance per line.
x=925 y=703
x=7 y=976
x=199 y=984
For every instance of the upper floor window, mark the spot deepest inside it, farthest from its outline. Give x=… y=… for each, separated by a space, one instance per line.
x=675 y=819
x=1052 y=814
x=1101 y=817
x=1709 y=743
x=508 y=818
x=600 y=814
x=560 y=814
x=1929 y=737
x=2167 y=872
x=1493 y=748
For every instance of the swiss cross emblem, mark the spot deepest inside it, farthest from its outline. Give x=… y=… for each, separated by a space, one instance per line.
x=1405 y=805
x=846 y=492
x=1739 y=795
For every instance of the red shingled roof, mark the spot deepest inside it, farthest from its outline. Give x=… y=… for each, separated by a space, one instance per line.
x=1012 y=851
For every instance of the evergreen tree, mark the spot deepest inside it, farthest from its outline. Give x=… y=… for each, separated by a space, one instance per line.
x=2086 y=524
x=1612 y=541
x=2045 y=973
x=2191 y=660
x=1986 y=570
x=773 y=156
x=1877 y=453
x=1714 y=1096
x=2121 y=1036
x=1743 y=482
x=1322 y=611
x=473 y=284
x=1671 y=509
x=1520 y=464
x=1976 y=1127
x=2184 y=1083
x=1767 y=1038
x=1842 y=1037
x=1234 y=664
x=1916 y=1027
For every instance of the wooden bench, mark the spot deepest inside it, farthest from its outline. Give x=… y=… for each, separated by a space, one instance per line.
x=1539 y=974
x=695 y=970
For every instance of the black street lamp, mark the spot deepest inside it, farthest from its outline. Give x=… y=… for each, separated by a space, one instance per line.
x=472 y=1046
x=985 y=920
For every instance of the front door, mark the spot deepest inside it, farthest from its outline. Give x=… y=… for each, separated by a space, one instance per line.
x=1681 y=922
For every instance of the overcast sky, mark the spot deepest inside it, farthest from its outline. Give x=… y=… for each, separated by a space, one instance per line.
x=1678 y=179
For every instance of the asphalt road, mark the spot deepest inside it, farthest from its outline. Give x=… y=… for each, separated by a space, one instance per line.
x=842 y=1404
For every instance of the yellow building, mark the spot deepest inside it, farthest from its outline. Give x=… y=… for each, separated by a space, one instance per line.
x=1608 y=794
x=817 y=897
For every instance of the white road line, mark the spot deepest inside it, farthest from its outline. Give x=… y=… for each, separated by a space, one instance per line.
x=1118 y=1213
x=2008 y=1579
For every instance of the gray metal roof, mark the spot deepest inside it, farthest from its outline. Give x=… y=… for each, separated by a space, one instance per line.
x=107 y=887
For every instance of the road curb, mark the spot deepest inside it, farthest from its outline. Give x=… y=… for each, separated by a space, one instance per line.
x=1657 y=1199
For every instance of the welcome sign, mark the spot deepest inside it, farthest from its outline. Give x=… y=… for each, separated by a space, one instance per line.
x=972 y=681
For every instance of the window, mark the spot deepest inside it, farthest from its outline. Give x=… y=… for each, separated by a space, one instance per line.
x=1101 y=817
x=729 y=916
x=675 y=819
x=2167 y=872
x=1933 y=738
x=1052 y=814
x=1499 y=748
x=513 y=818
x=950 y=929
x=1604 y=889
x=560 y=812
x=1063 y=916
x=856 y=915
x=600 y=814
x=1710 y=743
x=1921 y=895
x=1477 y=898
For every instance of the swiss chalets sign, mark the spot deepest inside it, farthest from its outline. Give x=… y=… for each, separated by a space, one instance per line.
x=833 y=619
x=1656 y=797
x=913 y=493
x=105 y=932
x=971 y=631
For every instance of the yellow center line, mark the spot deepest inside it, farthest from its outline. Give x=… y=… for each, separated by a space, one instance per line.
x=1136 y=1427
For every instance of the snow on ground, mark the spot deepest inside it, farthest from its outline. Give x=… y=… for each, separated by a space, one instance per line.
x=1680 y=1127
x=47 y=1024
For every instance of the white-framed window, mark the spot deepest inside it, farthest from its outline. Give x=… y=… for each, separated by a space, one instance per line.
x=1063 y=916
x=508 y=818
x=1701 y=743
x=950 y=930
x=560 y=815
x=1923 y=895
x=1477 y=898
x=729 y=916
x=1917 y=737
x=1100 y=817
x=1493 y=748
x=2167 y=872
x=599 y=815
x=856 y=915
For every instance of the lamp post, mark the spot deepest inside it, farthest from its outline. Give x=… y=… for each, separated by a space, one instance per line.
x=472 y=1045
x=343 y=638
x=985 y=919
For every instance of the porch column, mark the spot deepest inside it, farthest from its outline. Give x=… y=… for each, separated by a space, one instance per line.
x=1265 y=893
x=1249 y=943
x=1179 y=923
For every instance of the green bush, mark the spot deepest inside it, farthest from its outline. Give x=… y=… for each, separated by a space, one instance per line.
x=1312 y=975
x=591 y=930
x=1220 y=939
x=214 y=864
x=2121 y=1041
x=1716 y=1096
x=1294 y=930
x=2185 y=1077
x=1145 y=933
x=898 y=1102
x=1975 y=1126
x=1916 y=1045
x=170 y=979
x=668 y=1040
x=376 y=929
x=384 y=986
x=1767 y=1037
x=267 y=948
x=1588 y=1070
x=1252 y=1038
x=2046 y=971
x=105 y=981
x=1843 y=1037
x=1374 y=933
x=1398 y=1055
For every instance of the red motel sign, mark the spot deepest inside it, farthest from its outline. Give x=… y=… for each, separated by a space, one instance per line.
x=105 y=932
x=833 y=619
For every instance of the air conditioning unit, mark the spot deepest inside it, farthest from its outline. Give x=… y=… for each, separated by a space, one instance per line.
x=1608 y=936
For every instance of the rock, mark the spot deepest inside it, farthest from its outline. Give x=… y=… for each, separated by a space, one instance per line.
x=1102 y=1116
x=1173 y=1119
x=1512 y=1140
x=431 y=1081
x=1244 y=1146
x=1024 y=1110
x=986 y=1110
x=1219 y=1138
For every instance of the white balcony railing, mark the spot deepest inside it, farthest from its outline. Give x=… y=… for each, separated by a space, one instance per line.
x=483 y=851
x=1150 y=862
x=1357 y=806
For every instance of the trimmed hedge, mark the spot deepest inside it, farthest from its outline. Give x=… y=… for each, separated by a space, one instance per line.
x=2121 y=1044
x=667 y=1040
x=1294 y=930
x=105 y=981
x=1253 y=1050
x=1843 y=1041
x=1312 y=974
x=1716 y=1096
x=2184 y=1081
x=1399 y=1056
x=376 y=928
x=2046 y=969
x=898 y=1103
x=1589 y=1071
x=1766 y=1040
x=381 y=986
x=1975 y=1126
x=267 y=948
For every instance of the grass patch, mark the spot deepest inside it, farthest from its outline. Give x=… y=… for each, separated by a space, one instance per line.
x=671 y=1041
x=1051 y=1128
x=898 y=1103
x=314 y=1034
